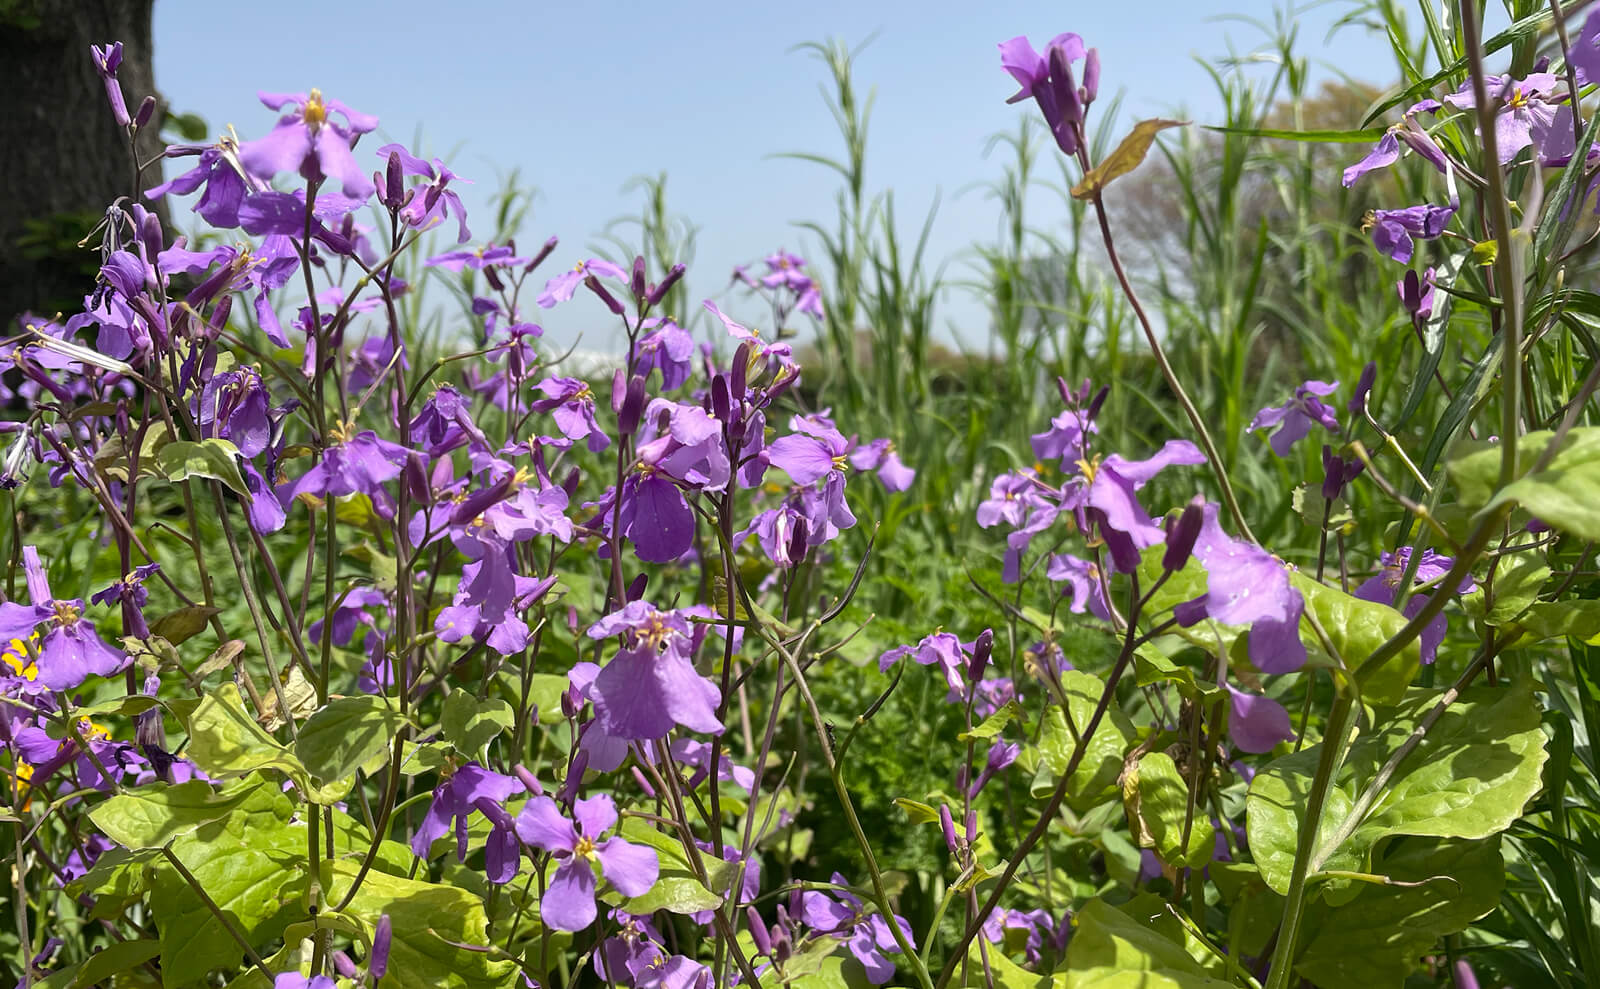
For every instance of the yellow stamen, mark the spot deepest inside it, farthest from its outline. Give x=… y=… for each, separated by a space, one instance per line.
x=315 y=112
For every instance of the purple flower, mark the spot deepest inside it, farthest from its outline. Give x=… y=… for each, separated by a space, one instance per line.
x=430 y=204
x=309 y=141
x=1256 y=723
x=762 y=354
x=361 y=465
x=1393 y=229
x=841 y=914
x=1084 y=582
x=1585 y=52
x=1389 y=147
x=1293 y=419
x=668 y=347
x=233 y=406
x=1065 y=437
x=1012 y=497
x=1522 y=105
x=1048 y=80
x=1417 y=294
x=294 y=980
x=570 y=402
x=1384 y=588
x=650 y=685
x=880 y=455
x=69 y=651
x=487 y=256
x=1112 y=503
x=1246 y=585
x=562 y=287
x=568 y=903
x=219 y=171
x=106 y=62
x=942 y=649
x=473 y=788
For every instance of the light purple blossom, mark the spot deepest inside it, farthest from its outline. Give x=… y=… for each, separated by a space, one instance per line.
x=842 y=915
x=562 y=287
x=1246 y=585
x=69 y=650
x=1521 y=106
x=1292 y=420
x=568 y=903
x=470 y=788
x=1393 y=230
x=1384 y=588
x=309 y=141
x=650 y=685
x=1256 y=723
x=881 y=456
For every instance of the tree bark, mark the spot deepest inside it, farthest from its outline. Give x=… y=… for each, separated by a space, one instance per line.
x=65 y=158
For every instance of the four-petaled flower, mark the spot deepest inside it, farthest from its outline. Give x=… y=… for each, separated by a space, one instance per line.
x=1292 y=420
x=69 y=650
x=568 y=903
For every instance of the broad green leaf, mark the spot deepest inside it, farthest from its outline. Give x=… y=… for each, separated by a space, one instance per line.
x=1112 y=950
x=544 y=693
x=1557 y=619
x=226 y=742
x=833 y=970
x=116 y=879
x=1004 y=973
x=338 y=739
x=1562 y=495
x=995 y=723
x=179 y=626
x=152 y=815
x=252 y=864
x=214 y=458
x=469 y=724
x=1157 y=799
x=1356 y=628
x=126 y=706
x=1254 y=911
x=1469 y=778
x=113 y=960
x=1124 y=159
x=1095 y=779
x=920 y=813
x=678 y=888
x=1378 y=938
x=429 y=921
x=1517 y=584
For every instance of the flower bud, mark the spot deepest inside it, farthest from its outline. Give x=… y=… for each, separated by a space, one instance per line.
x=344 y=966
x=658 y=292
x=758 y=931
x=644 y=782
x=593 y=284
x=393 y=184
x=637 y=586
x=947 y=824
x=636 y=282
x=721 y=404
x=982 y=649
x=738 y=381
x=147 y=109
x=569 y=786
x=569 y=484
x=1181 y=535
x=798 y=537
x=1091 y=76
x=378 y=963
x=619 y=389
x=493 y=278
x=151 y=236
x=529 y=781
x=632 y=407
x=544 y=252
x=1358 y=401
x=416 y=480
x=1099 y=400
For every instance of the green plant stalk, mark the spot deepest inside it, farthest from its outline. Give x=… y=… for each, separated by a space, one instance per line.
x=1334 y=742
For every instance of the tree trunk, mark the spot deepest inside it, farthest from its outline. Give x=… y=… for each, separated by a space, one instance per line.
x=65 y=158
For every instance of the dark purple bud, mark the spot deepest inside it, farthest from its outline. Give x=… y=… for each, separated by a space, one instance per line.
x=947 y=824
x=474 y=504
x=636 y=283
x=1091 y=76
x=1542 y=65
x=344 y=966
x=593 y=284
x=721 y=404
x=1358 y=401
x=146 y=110
x=758 y=931
x=529 y=781
x=431 y=198
x=637 y=586
x=219 y=312
x=632 y=407
x=151 y=236
x=569 y=786
x=1190 y=613
x=982 y=649
x=658 y=292
x=1099 y=400
x=544 y=252
x=972 y=826
x=1182 y=534
x=378 y=963
x=1065 y=390
x=571 y=702
x=493 y=278
x=393 y=184
x=569 y=484
x=1068 y=107
x=798 y=537
x=738 y=384
x=416 y=480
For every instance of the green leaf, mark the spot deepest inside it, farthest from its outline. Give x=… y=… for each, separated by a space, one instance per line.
x=1558 y=619
x=1005 y=973
x=1516 y=587
x=1364 y=135
x=217 y=459
x=469 y=724
x=1378 y=938
x=338 y=739
x=152 y=815
x=112 y=960
x=1112 y=950
x=184 y=624
x=544 y=693
x=1468 y=778
x=1356 y=628
x=429 y=920
x=226 y=742
x=116 y=879
x=1124 y=159
x=1095 y=779
x=1157 y=798
x=995 y=723
x=1562 y=495
x=678 y=888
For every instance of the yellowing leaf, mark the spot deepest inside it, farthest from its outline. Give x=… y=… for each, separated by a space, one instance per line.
x=1125 y=159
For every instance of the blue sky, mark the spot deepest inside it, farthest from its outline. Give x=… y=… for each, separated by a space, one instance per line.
x=582 y=97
